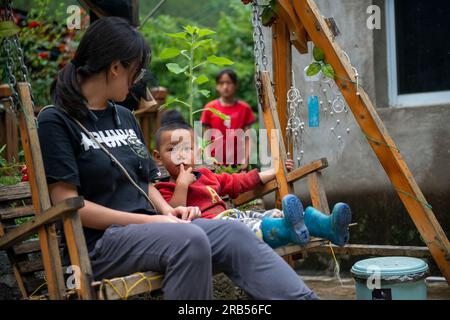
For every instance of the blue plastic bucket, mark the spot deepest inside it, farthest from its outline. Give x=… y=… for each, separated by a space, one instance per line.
x=390 y=278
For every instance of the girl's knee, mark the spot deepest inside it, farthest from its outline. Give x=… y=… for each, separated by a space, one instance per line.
x=195 y=243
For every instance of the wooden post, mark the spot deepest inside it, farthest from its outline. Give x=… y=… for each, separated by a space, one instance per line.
x=297 y=34
x=135 y=12
x=278 y=150
x=377 y=136
x=282 y=66
x=76 y=245
x=39 y=193
x=317 y=192
x=12 y=135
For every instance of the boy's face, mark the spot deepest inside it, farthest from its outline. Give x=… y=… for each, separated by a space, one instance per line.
x=225 y=87
x=176 y=147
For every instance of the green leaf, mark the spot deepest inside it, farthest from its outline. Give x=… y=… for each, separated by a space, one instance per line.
x=175 y=68
x=202 y=79
x=179 y=35
x=190 y=29
x=219 y=114
x=8 y=29
x=220 y=61
x=204 y=93
x=313 y=69
x=201 y=43
x=328 y=71
x=168 y=53
x=318 y=54
x=205 y=32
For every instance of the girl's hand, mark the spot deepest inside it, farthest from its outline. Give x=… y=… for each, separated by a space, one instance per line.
x=187 y=213
x=159 y=218
x=289 y=164
x=185 y=177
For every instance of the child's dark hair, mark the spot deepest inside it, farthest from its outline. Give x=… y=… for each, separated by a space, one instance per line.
x=170 y=120
x=105 y=41
x=233 y=76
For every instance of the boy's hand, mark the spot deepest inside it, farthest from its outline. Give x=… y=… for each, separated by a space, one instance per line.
x=185 y=177
x=289 y=164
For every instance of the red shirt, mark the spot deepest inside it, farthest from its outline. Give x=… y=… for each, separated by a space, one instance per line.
x=241 y=116
x=207 y=190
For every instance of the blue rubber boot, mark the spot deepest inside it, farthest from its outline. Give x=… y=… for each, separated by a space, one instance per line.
x=278 y=232
x=332 y=227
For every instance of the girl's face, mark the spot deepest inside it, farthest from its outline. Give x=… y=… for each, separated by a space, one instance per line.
x=226 y=87
x=121 y=78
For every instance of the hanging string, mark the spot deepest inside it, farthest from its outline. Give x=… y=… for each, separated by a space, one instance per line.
x=337 y=267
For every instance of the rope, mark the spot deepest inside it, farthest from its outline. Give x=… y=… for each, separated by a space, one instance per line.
x=125 y=295
x=337 y=268
x=38 y=288
x=424 y=203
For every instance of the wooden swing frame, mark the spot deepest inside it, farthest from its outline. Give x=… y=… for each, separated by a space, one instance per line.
x=300 y=21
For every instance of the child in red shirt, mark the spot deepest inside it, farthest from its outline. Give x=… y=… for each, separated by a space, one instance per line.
x=203 y=188
x=240 y=117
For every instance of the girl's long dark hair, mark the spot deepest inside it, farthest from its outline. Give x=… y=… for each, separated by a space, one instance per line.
x=105 y=41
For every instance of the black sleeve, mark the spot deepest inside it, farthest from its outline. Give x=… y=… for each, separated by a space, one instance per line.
x=57 y=150
x=153 y=170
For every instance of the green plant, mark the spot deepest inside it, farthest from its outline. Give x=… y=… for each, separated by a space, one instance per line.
x=9 y=172
x=190 y=47
x=319 y=64
x=47 y=45
x=8 y=29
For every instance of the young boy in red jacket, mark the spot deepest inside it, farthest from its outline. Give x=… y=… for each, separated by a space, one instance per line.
x=186 y=186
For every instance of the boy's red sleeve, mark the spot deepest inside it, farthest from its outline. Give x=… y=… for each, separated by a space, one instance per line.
x=235 y=184
x=166 y=191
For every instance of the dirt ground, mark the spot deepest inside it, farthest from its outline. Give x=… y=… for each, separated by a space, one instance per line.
x=328 y=288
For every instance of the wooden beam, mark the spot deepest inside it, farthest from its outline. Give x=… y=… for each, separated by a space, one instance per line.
x=292 y=176
x=278 y=150
x=258 y=192
x=377 y=136
x=317 y=192
x=16 y=191
x=11 y=134
x=299 y=36
x=293 y=249
x=100 y=13
x=374 y=250
x=76 y=245
x=13 y=263
x=5 y=91
x=51 y=215
x=39 y=194
x=303 y=171
x=282 y=74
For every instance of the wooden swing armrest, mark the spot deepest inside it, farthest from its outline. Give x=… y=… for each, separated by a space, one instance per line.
x=292 y=176
x=59 y=211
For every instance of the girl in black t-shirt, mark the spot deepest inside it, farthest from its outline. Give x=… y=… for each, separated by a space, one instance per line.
x=94 y=148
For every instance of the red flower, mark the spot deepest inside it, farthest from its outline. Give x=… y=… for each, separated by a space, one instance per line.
x=33 y=24
x=246 y=1
x=24 y=170
x=24 y=178
x=43 y=55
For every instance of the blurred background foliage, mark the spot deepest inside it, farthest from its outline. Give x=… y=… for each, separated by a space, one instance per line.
x=48 y=44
